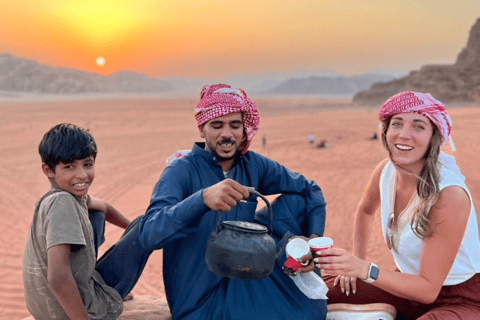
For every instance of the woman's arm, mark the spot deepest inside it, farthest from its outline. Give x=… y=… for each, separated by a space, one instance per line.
x=112 y=215
x=62 y=283
x=364 y=215
x=366 y=209
x=449 y=217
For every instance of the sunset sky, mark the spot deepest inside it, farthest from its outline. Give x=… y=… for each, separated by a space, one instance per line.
x=219 y=38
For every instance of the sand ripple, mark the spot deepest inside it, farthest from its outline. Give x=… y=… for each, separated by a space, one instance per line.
x=136 y=136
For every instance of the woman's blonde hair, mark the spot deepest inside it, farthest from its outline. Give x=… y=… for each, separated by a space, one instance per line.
x=428 y=182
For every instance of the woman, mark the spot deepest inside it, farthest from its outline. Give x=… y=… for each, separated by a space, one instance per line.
x=428 y=220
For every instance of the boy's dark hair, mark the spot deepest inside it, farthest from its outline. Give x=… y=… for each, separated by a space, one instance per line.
x=65 y=143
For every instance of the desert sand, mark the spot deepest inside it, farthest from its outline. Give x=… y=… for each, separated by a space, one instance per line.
x=136 y=136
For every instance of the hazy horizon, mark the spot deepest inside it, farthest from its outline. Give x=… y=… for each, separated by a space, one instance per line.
x=219 y=39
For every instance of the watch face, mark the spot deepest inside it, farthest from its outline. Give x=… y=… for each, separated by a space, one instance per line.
x=374 y=272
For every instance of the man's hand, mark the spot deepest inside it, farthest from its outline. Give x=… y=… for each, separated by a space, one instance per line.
x=224 y=195
x=306 y=258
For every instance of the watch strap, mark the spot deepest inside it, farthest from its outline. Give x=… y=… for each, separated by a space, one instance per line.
x=373 y=272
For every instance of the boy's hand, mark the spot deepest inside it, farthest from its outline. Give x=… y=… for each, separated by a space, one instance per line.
x=62 y=283
x=112 y=215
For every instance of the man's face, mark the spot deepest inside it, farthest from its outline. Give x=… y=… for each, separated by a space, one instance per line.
x=223 y=135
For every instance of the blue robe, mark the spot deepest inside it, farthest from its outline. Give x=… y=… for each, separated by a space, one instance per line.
x=178 y=221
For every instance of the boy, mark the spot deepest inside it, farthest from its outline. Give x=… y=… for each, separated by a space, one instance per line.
x=61 y=276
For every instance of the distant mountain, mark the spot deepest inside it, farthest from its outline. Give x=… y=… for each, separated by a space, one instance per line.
x=28 y=76
x=267 y=81
x=252 y=84
x=459 y=82
x=18 y=76
x=129 y=81
x=338 y=85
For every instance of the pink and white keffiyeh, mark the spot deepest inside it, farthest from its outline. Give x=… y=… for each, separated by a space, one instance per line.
x=421 y=103
x=221 y=99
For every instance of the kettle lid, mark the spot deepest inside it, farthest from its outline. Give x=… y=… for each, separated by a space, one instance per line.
x=245 y=226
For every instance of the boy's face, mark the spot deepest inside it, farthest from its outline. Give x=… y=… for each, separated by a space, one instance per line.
x=75 y=177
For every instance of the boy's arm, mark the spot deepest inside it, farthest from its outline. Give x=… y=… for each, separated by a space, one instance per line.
x=112 y=215
x=62 y=283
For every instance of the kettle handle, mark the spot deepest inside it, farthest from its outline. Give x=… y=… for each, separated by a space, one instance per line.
x=270 y=212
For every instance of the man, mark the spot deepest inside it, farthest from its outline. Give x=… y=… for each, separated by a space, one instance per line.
x=215 y=176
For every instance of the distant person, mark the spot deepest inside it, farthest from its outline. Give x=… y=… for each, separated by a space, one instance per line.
x=428 y=221
x=264 y=142
x=61 y=275
x=323 y=144
x=311 y=139
x=374 y=137
x=215 y=176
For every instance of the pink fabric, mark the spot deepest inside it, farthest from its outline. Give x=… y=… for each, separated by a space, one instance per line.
x=219 y=100
x=177 y=155
x=421 y=103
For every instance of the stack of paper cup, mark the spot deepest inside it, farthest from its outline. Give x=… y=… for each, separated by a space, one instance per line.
x=296 y=249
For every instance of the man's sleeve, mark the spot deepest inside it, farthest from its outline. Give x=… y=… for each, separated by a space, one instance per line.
x=173 y=208
x=276 y=179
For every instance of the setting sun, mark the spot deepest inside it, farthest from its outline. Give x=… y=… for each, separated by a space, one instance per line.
x=100 y=61
x=215 y=38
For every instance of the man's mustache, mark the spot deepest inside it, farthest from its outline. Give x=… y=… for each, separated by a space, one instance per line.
x=226 y=141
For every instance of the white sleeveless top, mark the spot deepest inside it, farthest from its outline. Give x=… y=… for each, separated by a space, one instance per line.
x=407 y=247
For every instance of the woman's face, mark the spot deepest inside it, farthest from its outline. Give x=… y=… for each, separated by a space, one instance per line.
x=408 y=138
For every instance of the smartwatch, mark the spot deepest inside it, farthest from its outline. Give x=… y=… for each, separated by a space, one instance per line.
x=373 y=272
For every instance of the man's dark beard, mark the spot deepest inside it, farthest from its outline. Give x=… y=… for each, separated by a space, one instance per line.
x=220 y=158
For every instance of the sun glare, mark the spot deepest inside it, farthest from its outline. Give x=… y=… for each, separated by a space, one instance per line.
x=100 y=61
x=102 y=23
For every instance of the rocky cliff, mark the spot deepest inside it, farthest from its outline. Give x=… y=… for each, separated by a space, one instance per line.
x=339 y=85
x=448 y=83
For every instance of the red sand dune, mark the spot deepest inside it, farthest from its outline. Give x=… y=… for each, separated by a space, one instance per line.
x=135 y=137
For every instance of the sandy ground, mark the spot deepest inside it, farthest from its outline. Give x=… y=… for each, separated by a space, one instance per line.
x=136 y=136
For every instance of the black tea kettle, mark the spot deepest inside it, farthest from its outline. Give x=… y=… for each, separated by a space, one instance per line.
x=241 y=250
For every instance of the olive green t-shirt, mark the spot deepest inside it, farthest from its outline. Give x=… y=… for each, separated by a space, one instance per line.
x=61 y=218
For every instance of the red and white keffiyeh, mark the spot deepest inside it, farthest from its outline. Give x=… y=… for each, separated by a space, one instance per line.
x=221 y=99
x=421 y=103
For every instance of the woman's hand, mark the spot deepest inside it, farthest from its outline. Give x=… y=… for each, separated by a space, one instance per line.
x=341 y=262
x=347 y=284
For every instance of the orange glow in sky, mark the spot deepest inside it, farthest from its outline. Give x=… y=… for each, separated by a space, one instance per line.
x=218 y=38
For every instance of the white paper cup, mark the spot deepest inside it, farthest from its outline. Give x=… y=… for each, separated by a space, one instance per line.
x=296 y=249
